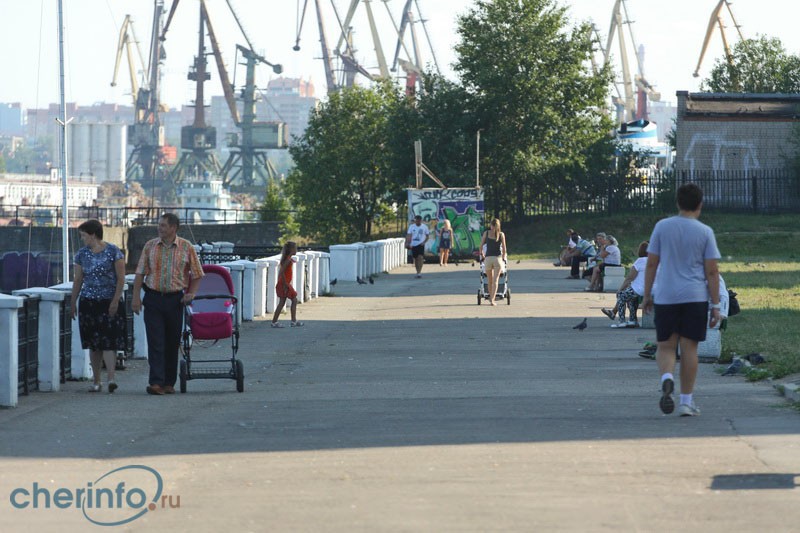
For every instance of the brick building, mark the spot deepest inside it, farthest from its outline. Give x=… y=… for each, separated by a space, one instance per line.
x=736 y=146
x=735 y=131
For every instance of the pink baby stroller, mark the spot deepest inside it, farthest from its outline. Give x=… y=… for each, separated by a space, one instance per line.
x=211 y=317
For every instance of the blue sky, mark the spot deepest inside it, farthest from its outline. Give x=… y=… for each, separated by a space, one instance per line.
x=671 y=31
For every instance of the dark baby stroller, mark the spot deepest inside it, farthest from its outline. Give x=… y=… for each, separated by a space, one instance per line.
x=211 y=317
x=503 y=290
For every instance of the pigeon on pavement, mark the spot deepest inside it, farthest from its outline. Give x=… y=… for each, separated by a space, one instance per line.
x=371 y=281
x=334 y=281
x=581 y=326
x=734 y=368
x=360 y=281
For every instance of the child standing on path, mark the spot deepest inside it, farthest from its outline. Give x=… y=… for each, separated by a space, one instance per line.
x=284 y=287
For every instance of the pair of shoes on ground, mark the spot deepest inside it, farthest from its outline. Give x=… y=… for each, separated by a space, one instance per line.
x=593 y=289
x=667 y=403
x=97 y=387
x=159 y=390
x=419 y=276
x=292 y=324
x=627 y=324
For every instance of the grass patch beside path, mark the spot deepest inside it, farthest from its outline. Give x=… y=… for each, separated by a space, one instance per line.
x=760 y=261
x=769 y=295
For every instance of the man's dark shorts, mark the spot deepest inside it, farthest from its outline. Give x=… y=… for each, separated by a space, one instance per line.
x=689 y=320
x=418 y=250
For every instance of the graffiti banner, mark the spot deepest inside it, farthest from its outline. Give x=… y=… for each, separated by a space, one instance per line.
x=462 y=207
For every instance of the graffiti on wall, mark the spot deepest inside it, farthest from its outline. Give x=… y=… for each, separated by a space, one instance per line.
x=721 y=154
x=462 y=207
x=29 y=269
x=725 y=154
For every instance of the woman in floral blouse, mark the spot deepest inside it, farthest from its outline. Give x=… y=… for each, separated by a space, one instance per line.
x=99 y=278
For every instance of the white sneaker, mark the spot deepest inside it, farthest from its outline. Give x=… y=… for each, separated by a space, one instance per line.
x=686 y=409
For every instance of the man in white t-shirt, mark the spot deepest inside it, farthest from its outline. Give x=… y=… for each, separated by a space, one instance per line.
x=416 y=236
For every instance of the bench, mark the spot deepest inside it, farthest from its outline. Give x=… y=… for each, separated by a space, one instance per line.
x=613 y=277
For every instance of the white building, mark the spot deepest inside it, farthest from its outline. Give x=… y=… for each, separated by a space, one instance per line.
x=663 y=114
x=35 y=189
x=98 y=150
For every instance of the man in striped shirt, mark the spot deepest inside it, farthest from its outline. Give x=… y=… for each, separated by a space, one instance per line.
x=170 y=272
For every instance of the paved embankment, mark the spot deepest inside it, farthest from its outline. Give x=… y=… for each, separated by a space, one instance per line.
x=404 y=406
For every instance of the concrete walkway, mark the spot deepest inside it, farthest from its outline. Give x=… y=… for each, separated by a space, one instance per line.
x=404 y=406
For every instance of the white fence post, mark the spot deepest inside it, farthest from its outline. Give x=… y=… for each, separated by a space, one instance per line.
x=9 y=349
x=81 y=364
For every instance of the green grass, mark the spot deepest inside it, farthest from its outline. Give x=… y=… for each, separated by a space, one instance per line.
x=760 y=261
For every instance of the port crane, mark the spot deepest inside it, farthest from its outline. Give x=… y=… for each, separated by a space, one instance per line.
x=146 y=134
x=715 y=21
x=625 y=101
x=199 y=140
x=350 y=67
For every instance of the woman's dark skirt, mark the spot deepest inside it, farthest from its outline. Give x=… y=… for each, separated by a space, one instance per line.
x=99 y=331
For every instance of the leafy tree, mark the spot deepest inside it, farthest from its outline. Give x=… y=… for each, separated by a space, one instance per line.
x=760 y=65
x=2 y=163
x=277 y=207
x=527 y=77
x=343 y=181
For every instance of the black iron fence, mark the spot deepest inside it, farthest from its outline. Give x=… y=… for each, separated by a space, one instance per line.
x=65 y=339
x=250 y=253
x=51 y=215
x=755 y=190
x=28 y=345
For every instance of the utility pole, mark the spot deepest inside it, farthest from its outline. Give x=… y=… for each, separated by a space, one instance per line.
x=63 y=122
x=478 y=160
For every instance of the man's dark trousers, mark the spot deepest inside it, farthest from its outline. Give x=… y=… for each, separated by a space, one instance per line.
x=576 y=265
x=163 y=318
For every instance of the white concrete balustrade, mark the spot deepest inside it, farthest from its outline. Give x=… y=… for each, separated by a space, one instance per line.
x=50 y=302
x=254 y=287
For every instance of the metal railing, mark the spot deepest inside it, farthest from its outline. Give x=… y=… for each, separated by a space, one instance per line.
x=51 y=215
x=758 y=191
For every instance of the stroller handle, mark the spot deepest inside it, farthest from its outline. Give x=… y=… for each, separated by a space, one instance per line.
x=216 y=297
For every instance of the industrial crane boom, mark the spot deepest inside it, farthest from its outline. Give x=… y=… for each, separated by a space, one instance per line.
x=227 y=88
x=716 y=20
x=127 y=41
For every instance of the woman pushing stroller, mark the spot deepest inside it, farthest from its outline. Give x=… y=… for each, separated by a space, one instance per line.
x=496 y=251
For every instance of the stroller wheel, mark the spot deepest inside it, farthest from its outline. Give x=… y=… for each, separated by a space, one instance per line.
x=239 y=376
x=479 y=297
x=182 y=375
x=508 y=296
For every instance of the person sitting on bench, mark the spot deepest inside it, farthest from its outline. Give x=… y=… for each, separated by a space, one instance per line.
x=629 y=293
x=583 y=251
x=609 y=255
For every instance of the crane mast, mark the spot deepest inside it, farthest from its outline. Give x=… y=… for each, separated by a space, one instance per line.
x=716 y=21
x=146 y=133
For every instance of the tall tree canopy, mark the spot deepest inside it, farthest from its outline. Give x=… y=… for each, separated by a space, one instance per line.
x=760 y=65
x=343 y=183
x=528 y=78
